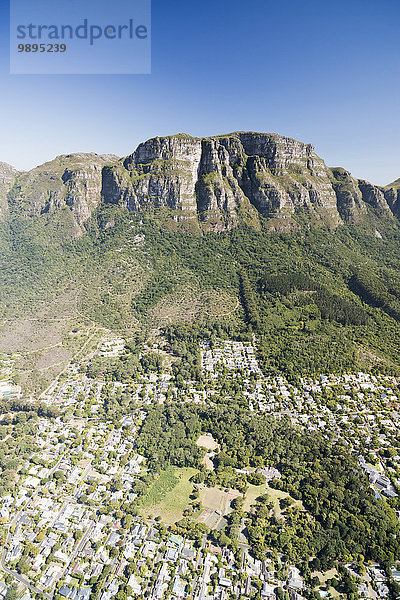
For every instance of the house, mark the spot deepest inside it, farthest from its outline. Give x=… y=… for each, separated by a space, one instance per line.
x=65 y=591
x=84 y=593
x=188 y=554
x=396 y=575
x=171 y=554
x=268 y=591
x=135 y=585
x=113 y=538
x=178 y=588
x=149 y=548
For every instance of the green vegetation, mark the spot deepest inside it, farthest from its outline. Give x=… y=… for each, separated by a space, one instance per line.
x=12 y=592
x=169 y=495
x=166 y=440
x=157 y=288
x=134 y=361
x=342 y=517
x=249 y=301
x=18 y=429
x=318 y=300
x=164 y=483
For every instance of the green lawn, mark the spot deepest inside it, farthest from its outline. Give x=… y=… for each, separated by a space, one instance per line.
x=169 y=494
x=274 y=495
x=252 y=493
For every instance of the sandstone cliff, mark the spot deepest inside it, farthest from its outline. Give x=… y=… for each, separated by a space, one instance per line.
x=204 y=183
x=72 y=180
x=7 y=176
x=392 y=196
x=224 y=179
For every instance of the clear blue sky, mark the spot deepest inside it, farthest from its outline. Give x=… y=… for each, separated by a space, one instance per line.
x=322 y=72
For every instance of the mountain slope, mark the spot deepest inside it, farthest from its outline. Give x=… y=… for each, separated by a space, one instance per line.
x=73 y=181
x=188 y=237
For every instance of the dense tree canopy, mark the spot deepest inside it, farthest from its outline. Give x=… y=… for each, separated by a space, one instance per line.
x=343 y=517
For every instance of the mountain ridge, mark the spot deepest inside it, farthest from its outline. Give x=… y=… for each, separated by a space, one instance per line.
x=202 y=184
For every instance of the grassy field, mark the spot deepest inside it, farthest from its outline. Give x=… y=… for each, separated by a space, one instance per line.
x=207 y=442
x=274 y=495
x=169 y=494
x=253 y=492
x=217 y=499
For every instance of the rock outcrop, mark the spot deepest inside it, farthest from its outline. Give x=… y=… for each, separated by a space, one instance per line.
x=392 y=197
x=350 y=204
x=224 y=179
x=355 y=195
x=374 y=196
x=7 y=177
x=73 y=180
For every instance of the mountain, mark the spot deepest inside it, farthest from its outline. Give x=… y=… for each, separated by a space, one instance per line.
x=203 y=184
x=223 y=180
x=190 y=237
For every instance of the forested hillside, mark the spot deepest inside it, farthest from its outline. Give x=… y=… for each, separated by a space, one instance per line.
x=318 y=301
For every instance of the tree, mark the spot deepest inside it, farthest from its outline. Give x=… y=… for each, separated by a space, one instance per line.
x=12 y=592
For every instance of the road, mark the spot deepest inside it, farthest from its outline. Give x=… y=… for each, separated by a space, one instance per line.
x=78 y=548
x=15 y=575
x=22 y=579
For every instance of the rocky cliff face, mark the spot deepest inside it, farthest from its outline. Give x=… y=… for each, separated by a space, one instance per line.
x=161 y=173
x=392 y=197
x=7 y=176
x=211 y=183
x=72 y=180
x=374 y=196
x=354 y=196
x=224 y=179
x=350 y=204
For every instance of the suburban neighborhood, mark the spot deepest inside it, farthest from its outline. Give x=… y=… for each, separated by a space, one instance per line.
x=65 y=530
